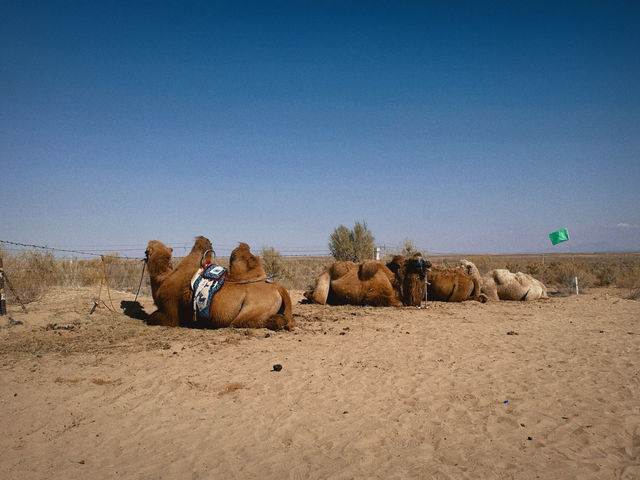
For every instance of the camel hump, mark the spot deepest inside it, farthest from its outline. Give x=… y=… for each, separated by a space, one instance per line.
x=201 y=244
x=502 y=276
x=340 y=269
x=243 y=265
x=368 y=269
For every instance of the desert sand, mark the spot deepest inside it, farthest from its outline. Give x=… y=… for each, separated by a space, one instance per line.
x=547 y=389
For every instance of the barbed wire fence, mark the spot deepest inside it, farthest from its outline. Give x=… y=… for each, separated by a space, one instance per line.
x=32 y=268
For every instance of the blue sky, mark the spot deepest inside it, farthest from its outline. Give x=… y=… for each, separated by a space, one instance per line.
x=467 y=127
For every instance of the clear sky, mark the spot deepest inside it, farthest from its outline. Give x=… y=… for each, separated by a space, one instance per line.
x=467 y=127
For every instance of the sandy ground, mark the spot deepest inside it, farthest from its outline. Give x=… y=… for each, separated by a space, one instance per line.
x=547 y=389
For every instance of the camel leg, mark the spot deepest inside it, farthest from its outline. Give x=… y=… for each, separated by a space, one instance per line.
x=166 y=319
x=256 y=317
x=320 y=292
x=157 y=318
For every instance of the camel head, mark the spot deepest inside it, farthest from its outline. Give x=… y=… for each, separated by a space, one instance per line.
x=402 y=266
x=417 y=264
x=410 y=273
x=158 y=258
x=158 y=251
x=470 y=268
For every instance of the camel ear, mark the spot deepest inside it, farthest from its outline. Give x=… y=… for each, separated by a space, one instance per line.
x=171 y=249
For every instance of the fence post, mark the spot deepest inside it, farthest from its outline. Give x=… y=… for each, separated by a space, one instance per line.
x=3 y=303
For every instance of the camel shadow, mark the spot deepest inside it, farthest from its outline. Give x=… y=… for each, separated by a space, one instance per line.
x=134 y=310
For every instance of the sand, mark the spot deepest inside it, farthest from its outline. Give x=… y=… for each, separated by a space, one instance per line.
x=547 y=389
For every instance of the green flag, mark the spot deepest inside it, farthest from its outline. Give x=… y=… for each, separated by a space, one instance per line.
x=560 y=236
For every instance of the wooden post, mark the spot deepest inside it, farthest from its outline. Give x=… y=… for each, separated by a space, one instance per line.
x=426 y=293
x=3 y=302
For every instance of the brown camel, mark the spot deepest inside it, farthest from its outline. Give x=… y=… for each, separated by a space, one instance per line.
x=246 y=301
x=453 y=285
x=161 y=267
x=410 y=272
x=371 y=283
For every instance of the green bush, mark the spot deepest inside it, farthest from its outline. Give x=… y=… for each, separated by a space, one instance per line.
x=353 y=245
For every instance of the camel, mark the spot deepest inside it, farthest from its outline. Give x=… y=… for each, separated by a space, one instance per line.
x=453 y=285
x=487 y=284
x=160 y=268
x=411 y=273
x=372 y=283
x=246 y=300
x=501 y=284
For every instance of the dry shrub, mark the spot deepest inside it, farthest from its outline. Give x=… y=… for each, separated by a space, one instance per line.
x=630 y=278
x=513 y=267
x=272 y=262
x=484 y=263
x=407 y=248
x=562 y=275
x=31 y=274
x=303 y=272
x=606 y=274
x=536 y=269
x=293 y=273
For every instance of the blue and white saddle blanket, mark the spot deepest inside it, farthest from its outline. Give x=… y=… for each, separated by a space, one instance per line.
x=205 y=284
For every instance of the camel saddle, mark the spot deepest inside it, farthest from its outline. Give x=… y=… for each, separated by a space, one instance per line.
x=207 y=281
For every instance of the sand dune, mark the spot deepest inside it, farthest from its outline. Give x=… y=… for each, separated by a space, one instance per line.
x=545 y=389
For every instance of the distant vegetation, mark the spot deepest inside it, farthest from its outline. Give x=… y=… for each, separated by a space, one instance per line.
x=353 y=245
x=32 y=273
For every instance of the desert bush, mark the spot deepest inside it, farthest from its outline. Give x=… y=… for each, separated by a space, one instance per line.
x=629 y=278
x=513 y=267
x=30 y=274
x=293 y=273
x=353 y=245
x=407 y=247
x=561 y=275
x=606 y=274
x=302 y=273
x=484 y=263
x=272 y=262
x=536 y=269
